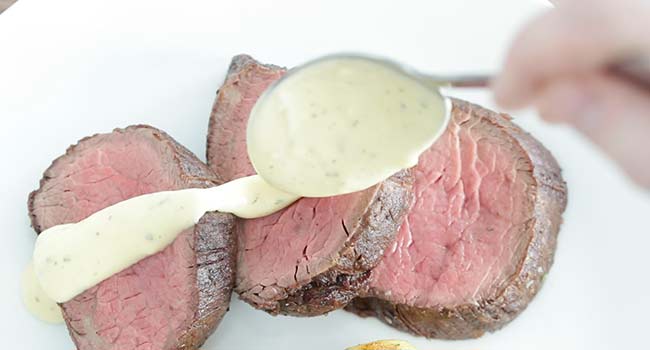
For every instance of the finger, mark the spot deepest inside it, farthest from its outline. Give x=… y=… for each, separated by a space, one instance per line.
x=576 y=37
x=612 y=113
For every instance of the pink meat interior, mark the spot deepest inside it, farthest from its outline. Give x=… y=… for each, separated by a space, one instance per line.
x=465 y=228
x=143 y=306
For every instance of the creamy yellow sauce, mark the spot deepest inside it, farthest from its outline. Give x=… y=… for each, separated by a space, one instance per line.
x=335 y=126
x=36 y=300
x=342 y=124
x=69 y=259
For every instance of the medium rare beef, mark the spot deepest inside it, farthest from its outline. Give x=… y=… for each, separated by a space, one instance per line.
x=480 y=238
x=314 y=256
x=170 y=300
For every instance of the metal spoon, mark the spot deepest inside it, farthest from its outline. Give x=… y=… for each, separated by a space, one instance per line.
x=316 y=182
x=293 y=150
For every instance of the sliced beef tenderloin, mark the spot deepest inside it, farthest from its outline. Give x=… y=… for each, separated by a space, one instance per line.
x=314 y=256
x=480 y=237
x=170 y=300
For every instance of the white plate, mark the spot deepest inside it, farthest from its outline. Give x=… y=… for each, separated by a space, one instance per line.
x=73 y=68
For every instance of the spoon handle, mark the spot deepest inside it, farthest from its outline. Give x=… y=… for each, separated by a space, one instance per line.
x=635 y=71
x=460 y=81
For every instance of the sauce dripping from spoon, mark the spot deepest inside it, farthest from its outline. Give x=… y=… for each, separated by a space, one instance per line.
x=335 y=125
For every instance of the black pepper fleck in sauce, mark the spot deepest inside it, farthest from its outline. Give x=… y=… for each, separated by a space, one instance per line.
x=148 y=237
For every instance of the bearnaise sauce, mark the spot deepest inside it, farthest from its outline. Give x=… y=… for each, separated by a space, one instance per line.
x=337 y=125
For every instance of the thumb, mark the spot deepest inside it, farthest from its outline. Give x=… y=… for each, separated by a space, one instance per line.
x=613 y=114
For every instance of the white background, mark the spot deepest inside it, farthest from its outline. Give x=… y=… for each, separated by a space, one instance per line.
x=73 y=68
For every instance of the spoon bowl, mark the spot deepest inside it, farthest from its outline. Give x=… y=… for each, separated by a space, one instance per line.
x=343 y=123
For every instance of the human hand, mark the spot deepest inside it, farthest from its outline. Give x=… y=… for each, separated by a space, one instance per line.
x=560 y=64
